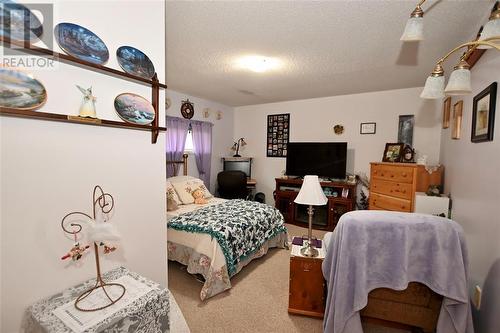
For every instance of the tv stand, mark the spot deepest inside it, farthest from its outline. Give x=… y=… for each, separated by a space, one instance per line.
x=325 y=217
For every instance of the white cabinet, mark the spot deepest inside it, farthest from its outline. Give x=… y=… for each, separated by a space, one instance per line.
x=431 y=205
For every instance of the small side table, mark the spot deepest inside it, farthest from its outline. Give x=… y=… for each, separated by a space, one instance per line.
x=307 y=285
x=147 y=313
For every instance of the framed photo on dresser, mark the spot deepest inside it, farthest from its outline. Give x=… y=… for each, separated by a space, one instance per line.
x=393 y=152
x=278 y=134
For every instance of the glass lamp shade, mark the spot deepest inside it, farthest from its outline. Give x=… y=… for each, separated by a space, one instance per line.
x=434 y=88
x=311 y=192
x=490 y=29
x=414 y=30
x=459 y=82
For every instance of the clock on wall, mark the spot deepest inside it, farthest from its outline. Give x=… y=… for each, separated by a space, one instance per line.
x=187 y=109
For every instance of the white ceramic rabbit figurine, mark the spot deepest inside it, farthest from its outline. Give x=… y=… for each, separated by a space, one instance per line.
x=87 y=109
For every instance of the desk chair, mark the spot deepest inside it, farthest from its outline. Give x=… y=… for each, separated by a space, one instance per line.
x=232 y=184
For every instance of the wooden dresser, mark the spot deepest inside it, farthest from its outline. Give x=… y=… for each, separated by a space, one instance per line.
x=393 y=185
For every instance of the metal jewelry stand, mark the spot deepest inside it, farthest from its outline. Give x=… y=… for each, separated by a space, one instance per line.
x=106 y=204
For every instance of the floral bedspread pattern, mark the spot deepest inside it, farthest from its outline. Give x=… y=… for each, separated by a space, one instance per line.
x=216 y=278
x=240 y=227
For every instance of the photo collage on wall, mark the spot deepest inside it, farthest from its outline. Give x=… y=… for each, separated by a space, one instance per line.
x=278 y=134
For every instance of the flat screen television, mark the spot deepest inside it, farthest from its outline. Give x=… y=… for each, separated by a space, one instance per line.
x=325 y=159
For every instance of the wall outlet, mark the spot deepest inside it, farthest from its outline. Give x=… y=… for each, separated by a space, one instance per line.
x=477 y=297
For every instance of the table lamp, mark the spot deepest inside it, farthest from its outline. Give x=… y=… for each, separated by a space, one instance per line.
x=310 y=194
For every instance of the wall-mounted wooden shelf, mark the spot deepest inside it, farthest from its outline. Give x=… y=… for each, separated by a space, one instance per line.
x=61 y=57
x=26 y=47
x=76 y=120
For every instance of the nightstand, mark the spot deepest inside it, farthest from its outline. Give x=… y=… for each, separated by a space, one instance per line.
x=148 y=310
x=307 y=291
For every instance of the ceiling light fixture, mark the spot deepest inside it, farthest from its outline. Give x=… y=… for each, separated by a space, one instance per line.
x=459 y=83
x=491 y=28
x=258 y=64
x=414 y=29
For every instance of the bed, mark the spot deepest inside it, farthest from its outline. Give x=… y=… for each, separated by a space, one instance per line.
x=394 y=267
x=219 y=238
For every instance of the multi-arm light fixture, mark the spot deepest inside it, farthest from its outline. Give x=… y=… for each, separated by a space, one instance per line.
x=460 y=79
x=491 y=28
x=414 y=29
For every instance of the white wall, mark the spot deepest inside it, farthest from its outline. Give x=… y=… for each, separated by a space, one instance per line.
x=473 y=179
x=222 y=131
x=49 y=169
x=313 y=120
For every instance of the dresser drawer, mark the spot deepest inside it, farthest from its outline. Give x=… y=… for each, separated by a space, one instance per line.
x=378 y=201
x=394 y=173
x=393 y=189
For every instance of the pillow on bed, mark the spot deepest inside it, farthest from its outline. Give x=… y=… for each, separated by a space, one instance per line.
x=171 y=204
x=186 y=188
x=172 y=194
x=178 y=179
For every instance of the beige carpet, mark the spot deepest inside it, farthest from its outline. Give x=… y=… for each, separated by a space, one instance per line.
x=257 y=302
x=178 y=323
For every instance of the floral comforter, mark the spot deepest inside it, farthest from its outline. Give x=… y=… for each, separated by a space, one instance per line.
x=240 y=227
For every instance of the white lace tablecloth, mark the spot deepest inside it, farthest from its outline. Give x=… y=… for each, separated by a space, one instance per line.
x=148 y=314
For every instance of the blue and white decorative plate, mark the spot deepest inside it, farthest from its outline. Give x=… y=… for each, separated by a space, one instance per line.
x=135 y=62
x=81 y=43
x=14 y=17
x=134 y=109
x=20 y=91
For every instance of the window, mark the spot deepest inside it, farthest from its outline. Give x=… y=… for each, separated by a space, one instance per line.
x=188 y=146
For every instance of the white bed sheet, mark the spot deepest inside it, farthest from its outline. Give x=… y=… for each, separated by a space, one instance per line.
x=201 y=243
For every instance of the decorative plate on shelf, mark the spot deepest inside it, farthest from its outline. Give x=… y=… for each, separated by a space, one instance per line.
x=20 y=91
x=187 y=109
x=13 y=18
x=135 y=62
x=134 y=109
x=81 y=43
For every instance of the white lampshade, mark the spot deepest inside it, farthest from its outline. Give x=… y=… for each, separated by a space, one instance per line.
x=414 y=30
x=490 y=29
x=459 y=82
x=434 y=88
x=311 y=192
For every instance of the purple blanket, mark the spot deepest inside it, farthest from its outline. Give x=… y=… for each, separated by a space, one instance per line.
x=380 y=249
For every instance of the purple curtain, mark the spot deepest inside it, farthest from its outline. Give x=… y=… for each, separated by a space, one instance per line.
x=177 y=129
x=202 y=144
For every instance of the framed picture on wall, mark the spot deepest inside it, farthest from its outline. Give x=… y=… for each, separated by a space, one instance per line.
x=367 y=128
x=446 y=112
x=278 y=134
x=483 y=114
x=405 y=129
x=457 y=120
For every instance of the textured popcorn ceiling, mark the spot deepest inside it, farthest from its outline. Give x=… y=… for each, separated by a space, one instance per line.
x=328 y=47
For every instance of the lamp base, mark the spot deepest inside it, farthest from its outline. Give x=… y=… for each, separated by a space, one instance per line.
x=237 y=155
x=309 y=251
